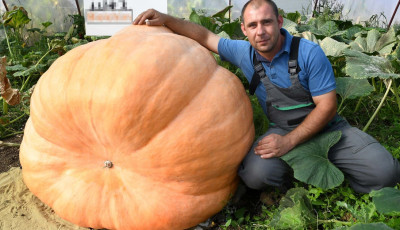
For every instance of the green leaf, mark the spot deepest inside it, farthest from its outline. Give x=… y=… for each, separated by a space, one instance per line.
x=295 y=211
x=16 y=18
x=350 y=88
x=372 y=38
x=332 y=47
x=310 y=161
x=389 y=38
x=13 y=68
x=309 y=36
x=294 y=17
x=359 y=44
x=222 y=13
x=29 y=71
x=46 y=24
x=289 y=26
x=371 y=226
x=329 y=28
x=387 y=201
x=360 y=65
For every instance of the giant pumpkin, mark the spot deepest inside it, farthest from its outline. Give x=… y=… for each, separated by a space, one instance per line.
x=139 y=131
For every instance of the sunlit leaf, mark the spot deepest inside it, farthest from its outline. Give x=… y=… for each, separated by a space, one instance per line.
x=372 y=38
x=360 y=65
x=350 y=88
x=289 y=26
x=389 y=38
x=309 y=36
x=359 y=44
x=387 y=201
x=310 y=161
x=16 y=18
x=332 y=47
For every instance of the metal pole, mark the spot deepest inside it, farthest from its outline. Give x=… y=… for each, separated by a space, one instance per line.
x=5 y=5
x=315 y=7
x=77 y=5
x=394 y=13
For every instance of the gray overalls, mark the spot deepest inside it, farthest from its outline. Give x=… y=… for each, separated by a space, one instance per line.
x=366 y=164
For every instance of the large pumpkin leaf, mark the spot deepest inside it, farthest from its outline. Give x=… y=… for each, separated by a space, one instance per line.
x=386 y=42
x=332 y=47
x=289 y=26
x=295 y=211
x=310 y=161
x=360 y=65
x=359 y=44
x=372 y=38
x=329 y=28
x=387 y=201
x=371 y=226
x=309 y=36
x=350 y=88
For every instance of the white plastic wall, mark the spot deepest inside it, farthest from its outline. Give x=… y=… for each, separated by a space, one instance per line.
x=57 y=11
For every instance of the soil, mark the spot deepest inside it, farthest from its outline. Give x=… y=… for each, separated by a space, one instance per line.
x=9 y=156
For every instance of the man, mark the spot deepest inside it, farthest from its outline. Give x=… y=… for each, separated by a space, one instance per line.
x=299 y=100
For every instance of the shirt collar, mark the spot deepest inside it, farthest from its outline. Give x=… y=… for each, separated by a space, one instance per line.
x=285 y=47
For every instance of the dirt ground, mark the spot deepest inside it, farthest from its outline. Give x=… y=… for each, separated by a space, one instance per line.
x=9 y=156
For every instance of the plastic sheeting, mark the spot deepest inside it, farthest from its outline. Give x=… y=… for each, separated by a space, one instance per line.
x=57 y=11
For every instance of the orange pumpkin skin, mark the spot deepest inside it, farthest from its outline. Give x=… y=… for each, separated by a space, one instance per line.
x=174 y=124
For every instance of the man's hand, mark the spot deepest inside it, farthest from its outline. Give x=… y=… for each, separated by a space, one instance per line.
x=273 y=145
x=151 y=17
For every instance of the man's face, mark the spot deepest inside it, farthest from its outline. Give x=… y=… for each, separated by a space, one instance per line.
x=262 y=28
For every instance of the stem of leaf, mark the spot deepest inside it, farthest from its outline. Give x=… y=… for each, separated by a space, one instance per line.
x=335 y=221
x=379 y=106
x=395 y=91
x=16 y=119
x=5 y=107
x=9 y=144
x=340 y=106
x=358 y=105
x=8 y=43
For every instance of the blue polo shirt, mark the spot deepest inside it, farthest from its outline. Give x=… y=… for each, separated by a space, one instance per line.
x=316 y=75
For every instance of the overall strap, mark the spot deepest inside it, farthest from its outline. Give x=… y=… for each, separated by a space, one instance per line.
x=293 y=65
x=259 y=71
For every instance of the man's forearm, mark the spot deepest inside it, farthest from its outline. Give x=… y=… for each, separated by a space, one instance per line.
x=314 y=122
x=193 y=31
x=188 y=29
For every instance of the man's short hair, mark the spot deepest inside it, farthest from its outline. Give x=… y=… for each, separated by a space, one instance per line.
x=270 y=2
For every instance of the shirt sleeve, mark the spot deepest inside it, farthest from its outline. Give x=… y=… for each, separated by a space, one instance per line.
x=321 y=79
x=232 y=51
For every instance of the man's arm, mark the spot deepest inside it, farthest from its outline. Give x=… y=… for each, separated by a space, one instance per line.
x=188 y=29
x=275 y=145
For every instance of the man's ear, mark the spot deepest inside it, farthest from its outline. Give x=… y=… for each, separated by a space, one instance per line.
x=243 y=30
x=280 y=21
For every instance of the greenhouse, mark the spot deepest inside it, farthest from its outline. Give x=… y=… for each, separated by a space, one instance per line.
x=199 y=114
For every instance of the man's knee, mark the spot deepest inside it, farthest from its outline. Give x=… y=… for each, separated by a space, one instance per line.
x=383 y=171
x=262 y=173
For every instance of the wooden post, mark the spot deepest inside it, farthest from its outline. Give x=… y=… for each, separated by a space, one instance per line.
x=230 y=2
x=77 y=6
x=394 y=13
x=5 y=5
x=315 y=7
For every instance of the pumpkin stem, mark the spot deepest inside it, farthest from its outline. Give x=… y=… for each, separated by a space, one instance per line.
x=108 y=164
